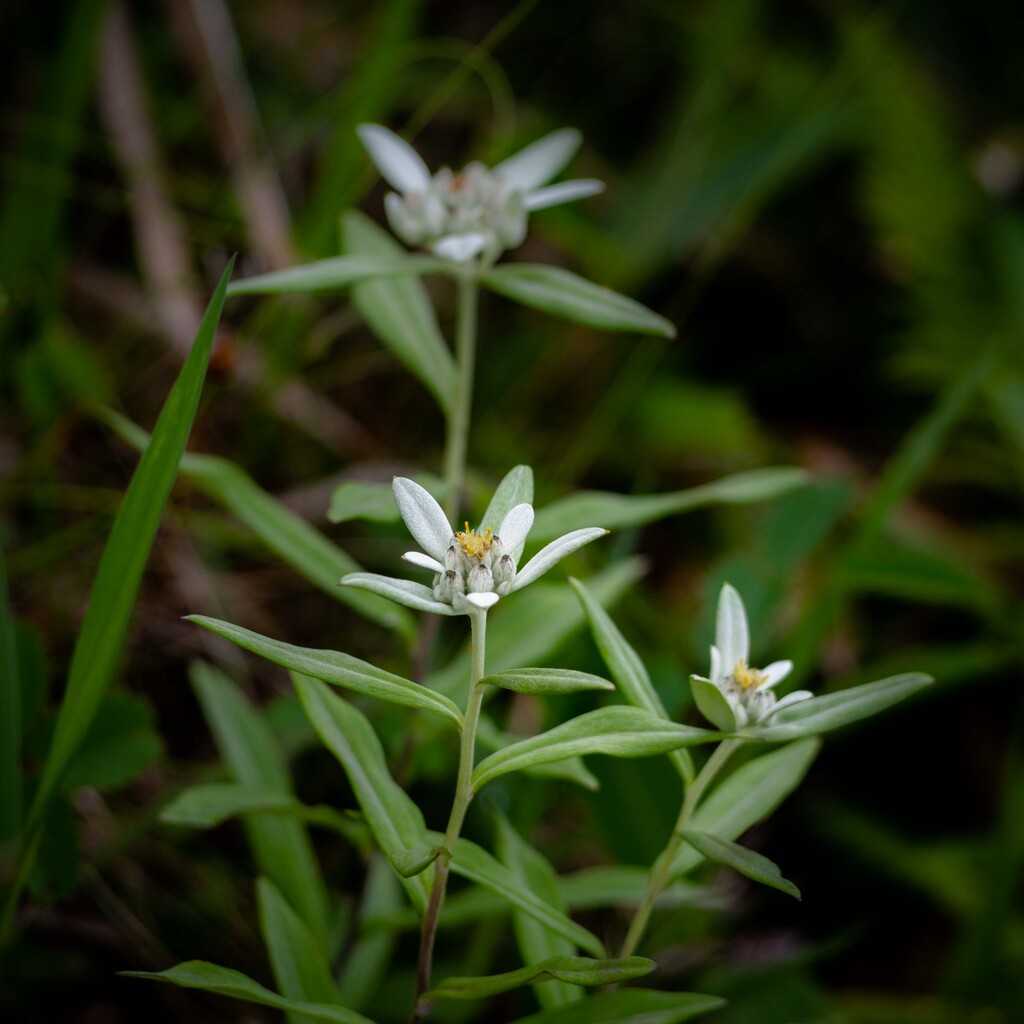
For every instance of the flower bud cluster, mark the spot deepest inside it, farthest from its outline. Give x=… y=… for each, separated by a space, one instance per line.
x=475 y=563
x=745 y=689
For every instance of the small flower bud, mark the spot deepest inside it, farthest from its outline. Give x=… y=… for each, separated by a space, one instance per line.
x=480 y=580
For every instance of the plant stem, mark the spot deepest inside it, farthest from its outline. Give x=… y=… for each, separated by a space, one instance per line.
x=460 y=804
x=662 y=868
x=458 y=416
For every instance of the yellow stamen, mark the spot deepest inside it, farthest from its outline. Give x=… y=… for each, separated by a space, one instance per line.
x=476 y=545
x=747 y=678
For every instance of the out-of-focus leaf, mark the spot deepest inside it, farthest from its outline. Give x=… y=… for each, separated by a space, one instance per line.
x=819 y=714
x=564 y=294
x=754 y=865
x=546 y=681
x=574 y=970
x=617 y=511
x=235 y=985
x=338 y=272
x=630 y=1006
x=394 y=819
x=334 y=667
x=10 y=718
x=399 y=311
x=516 y=488
x=363 y=499
x=281 y=848
x=749 y=794
x=616 y=731
x=712 y=704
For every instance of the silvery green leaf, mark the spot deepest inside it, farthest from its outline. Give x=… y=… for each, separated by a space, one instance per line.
x=337 y=272
x=546 y=681
x=337 y=668
x=516 y=488
x=832 y=710
x=409 y=863
x=490 y=737
x=564 y=294
x=616 y=731
x=564 y=192
x=617 y=511
x=576 y=970
x=630 y=1006
x=539 y=162
x=754 y=865
x=713 y=704
x=553 y=553
x=514 y=529
x=732 y=635
x=365 y=499
x=399 y=164
x=423 y=516
x=748 y=795
x=235 y=985
x=626 y=668
x=407 y=592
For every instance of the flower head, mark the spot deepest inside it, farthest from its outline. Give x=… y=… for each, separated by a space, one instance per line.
x=478 y=210
x=472 y=569
x=737 y=694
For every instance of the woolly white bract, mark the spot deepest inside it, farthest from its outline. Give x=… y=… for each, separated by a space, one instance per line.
x=479 y=210
x=472 y=569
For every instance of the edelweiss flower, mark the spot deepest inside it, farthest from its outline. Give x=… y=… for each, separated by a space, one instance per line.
x=472 y=568
x=479 y=210
x=737 y=694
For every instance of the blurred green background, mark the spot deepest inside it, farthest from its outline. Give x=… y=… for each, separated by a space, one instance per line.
x=826 y=198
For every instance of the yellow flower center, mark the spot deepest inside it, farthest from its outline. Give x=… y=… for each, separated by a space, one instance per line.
x=476 y=545
x=747 y=678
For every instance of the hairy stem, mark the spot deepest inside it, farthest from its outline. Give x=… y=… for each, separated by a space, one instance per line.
x=460 y=804
x=662 y=868
x=458 y=417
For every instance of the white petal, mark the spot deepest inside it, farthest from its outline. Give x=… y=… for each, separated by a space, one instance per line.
x=792 y=698
x=412 y=595
x=540 y=161
x=775 y=673
x=732 y=636
x=553 y=553
x=716 y=664
x=423 y=516
x=485 y=601
x=514 y=528
x=400 y=164
x=459 y=248
x=423 y=561
x=563 y=192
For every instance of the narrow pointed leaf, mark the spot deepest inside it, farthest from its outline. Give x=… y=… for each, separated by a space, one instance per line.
x=396 y=822
x=832 y=710
x=546 y=681
x=338 y=272
x=754 y=865
x=399 y=311
x=630 y=1006
x=616 y=731
x=565 y=294
x=235 y=985
x=516 y=488
x=540 y=161
x=626 y=668
x=490 y=737
x=713 y=704
x=619 y=511
x=404 y=592
x=411 y=862
x=747 y=796
x=551 y=554
x=423 y=516
x=576 y=970
x=335 y=667
x=732 y=634
x=475 y=863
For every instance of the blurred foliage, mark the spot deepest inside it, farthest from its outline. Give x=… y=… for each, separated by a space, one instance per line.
x=825 y=199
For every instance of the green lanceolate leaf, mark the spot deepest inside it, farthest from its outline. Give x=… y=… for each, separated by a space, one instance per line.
x=337 y=668
x=747 y=796
x=756 y=867
x=618 y=511
x=235 y=985
x=819 y=714
x=546 y=681
x=475 y=863
x=576 y=970
x=712 y=704
x=338 y=272
x=564 y=294
x=394 y=819
x=617 y=731
x=409 y=863
x=516 y=488
x=250 y=751
x=399 y=311
x=626 y=668
x=300 y=967
x=630 y=1006
x=490 y=737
